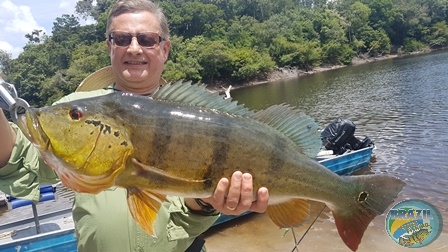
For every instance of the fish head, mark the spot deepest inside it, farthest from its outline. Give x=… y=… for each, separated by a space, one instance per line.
x=81 y=143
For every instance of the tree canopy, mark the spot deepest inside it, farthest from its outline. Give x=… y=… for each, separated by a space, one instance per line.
x=231 y=41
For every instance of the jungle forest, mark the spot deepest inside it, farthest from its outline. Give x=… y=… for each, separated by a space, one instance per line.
x=231 y=41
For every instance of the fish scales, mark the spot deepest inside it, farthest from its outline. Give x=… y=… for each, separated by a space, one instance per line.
x=210 y=145
x=184 y=140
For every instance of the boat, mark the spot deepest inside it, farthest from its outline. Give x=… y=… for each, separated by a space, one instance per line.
x=55 y=231
x=347 y=163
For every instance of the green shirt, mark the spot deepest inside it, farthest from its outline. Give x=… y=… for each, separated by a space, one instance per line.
x=103 y=221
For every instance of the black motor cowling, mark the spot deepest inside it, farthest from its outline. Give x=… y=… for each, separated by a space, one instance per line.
x=339 y=136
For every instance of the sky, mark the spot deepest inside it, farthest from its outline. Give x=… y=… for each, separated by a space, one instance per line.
x=20 y=17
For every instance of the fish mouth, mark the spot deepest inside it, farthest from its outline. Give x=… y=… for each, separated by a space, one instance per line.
x=30 y=126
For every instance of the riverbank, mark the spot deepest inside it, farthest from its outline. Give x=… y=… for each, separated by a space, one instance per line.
x=285 y=73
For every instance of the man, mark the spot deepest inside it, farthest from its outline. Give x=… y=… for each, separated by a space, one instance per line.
x=138 y=42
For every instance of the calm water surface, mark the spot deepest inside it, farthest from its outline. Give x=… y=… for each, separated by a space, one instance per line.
x=402 y=105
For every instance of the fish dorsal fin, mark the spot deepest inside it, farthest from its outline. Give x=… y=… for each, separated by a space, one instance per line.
x=144 y=206
x=198 y=95
x=300 y=128
x=291 y=213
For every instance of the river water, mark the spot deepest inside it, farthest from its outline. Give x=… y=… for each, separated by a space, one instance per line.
x=399 y=103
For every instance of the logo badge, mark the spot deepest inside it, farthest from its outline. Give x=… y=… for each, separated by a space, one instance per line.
x=414 y=223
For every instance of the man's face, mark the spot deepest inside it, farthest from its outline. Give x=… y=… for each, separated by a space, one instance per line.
x=137 y=69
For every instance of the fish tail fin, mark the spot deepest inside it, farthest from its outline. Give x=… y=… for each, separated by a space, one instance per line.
x=374 y=194
x=352 y=228
x=144 y=206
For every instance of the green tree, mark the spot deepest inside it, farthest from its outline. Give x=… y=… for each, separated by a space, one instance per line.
x=65 y=28
x=5 y=63
x=214 y=60
x=240 y=33
x=183 y=62
x=439 y=35
x=376 y=41
x=86 y=59
x=87 y=8
x=193 y=18
x=34 y=36
x=357 y=17
x=246 y=64
x=306 y=56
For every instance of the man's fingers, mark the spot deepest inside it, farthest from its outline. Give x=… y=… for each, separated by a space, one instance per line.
x=220 y=192
x=233 y=197
x=247 y=195
x=261 y=204
x=236 y=196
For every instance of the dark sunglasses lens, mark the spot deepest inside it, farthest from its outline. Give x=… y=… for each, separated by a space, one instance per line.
x=148 y=40
x=122 y=39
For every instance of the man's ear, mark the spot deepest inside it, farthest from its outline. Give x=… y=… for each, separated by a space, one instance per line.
x=166 y=49
x=109 y=45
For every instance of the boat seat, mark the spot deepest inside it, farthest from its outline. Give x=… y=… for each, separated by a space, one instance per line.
x=47 y=192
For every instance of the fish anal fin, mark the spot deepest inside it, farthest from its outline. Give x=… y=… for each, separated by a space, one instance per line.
x=144 y=206
x=352 y=227
x=291 y=213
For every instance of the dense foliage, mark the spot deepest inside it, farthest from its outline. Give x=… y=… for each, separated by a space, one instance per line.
x=232 y=41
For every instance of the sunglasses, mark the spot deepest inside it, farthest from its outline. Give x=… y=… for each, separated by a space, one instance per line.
x=144 y=39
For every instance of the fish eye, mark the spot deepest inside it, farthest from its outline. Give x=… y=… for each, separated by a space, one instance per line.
x=75 y=113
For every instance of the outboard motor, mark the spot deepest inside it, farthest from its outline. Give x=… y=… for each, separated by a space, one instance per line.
x=339 y=136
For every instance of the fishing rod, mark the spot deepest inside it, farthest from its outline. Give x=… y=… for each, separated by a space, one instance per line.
x=296 y=243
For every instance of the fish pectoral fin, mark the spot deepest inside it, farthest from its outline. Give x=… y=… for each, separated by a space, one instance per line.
x=291 y=213
x=158 y=174
x=144 y=206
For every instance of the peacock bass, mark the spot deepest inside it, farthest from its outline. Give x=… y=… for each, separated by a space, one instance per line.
x=184 y=139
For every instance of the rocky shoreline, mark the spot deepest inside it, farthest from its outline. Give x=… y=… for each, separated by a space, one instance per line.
x=291 y=72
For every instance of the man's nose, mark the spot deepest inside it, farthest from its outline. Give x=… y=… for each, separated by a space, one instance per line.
x=134 y=47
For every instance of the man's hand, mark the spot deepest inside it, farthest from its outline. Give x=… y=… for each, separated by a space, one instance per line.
x=240 y=196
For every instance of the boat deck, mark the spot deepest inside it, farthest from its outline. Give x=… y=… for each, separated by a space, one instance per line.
x=19 y=224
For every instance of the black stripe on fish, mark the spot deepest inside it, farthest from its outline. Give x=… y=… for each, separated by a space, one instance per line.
x=220 y=151
x=161 y=140
x=276 y=163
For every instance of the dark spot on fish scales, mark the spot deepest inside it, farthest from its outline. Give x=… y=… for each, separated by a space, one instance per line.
x=94 y=123
x=107 y=129
x=124 y=143
x=117 y=133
